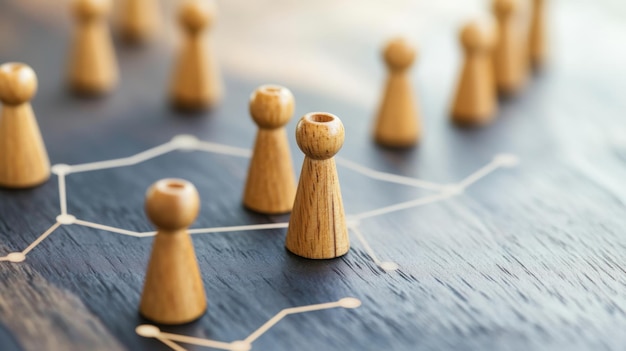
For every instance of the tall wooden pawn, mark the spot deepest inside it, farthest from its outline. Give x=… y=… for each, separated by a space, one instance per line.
x=537 y=34
x=93 y=66
x=476 y=98
x=196 y=83
x=397 y=123
x=271 y=186
x=173 y=292
x=510 y=53
x=139 y=19
x=317 y=227
x=23 y=158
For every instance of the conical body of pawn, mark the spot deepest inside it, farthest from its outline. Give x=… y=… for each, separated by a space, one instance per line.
x=196 y=83
x=510 y=56
x=317 y=227
x=537 y=34
x=139 y=19
x=475 y=102
x=173 y=292
x=93 y=66
x=270 y=185
x=397 y=123
x=23 y=158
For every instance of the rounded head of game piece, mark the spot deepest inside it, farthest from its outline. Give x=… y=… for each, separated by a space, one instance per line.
x=89 y=9
x=478 y=35
x=505 y=7
x=320 y=135
x=271 y=106
x=399 y=54
x=172 y=204
x=196 y=15
x=18 y=83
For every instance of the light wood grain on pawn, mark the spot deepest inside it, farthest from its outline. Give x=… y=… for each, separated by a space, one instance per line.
x=537 y=34
x=398 y=122
x=270 y=185
x=173 y=292
x=92 y=63
x=317 y=227
x=139 y=19
x=510 y=55
x=23 y=158
x=196 y=84
x=475 y=102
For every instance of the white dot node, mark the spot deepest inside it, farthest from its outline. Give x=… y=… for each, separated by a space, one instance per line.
x=349 y=302
x=452 y=190
x=389 y=266
x=507 y=160
x=148 y=331
x=185 y=142
x=352 y=223
x=61 y=169
x=240 y=345
x=66 y=219
x=16 y=257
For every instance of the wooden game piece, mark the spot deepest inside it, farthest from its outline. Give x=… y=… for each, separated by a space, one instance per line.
x=139 y=19
x=475 y=102
x=537 y=34
x=23 y=158
x=173 y=292
x=93 y=66
x=510 y=53
x=397 y=123
x=196 y=83
x=271 y=186
x=317 y=227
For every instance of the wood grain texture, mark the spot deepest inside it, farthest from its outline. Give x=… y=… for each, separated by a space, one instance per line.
x=173 y=292
x=528 y=258
x=270 y=184
x=317 y=226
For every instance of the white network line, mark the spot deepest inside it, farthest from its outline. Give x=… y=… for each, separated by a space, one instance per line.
x=191 y=143
x=169 y=339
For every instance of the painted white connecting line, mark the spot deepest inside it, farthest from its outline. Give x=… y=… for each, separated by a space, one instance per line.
x=151 y=331
x=191 y=143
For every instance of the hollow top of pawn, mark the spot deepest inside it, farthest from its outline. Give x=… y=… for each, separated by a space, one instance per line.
x=505 y=7
x=399 y=54
x=271 y=106
x=320 y=135
x=18 y=83
x=478 y=35
x=195 y=15
x=172 y=204
x=90 y=9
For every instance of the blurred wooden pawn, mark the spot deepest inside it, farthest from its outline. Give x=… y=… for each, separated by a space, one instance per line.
x=537 y=34
x=23 y=158
x=196 y=83
x=475 y=102
x=397 y=123
x=92 y=63
x=317 y=227
x=510 y=54
x=139 y=19
x=173 y=292
x=271 y=186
